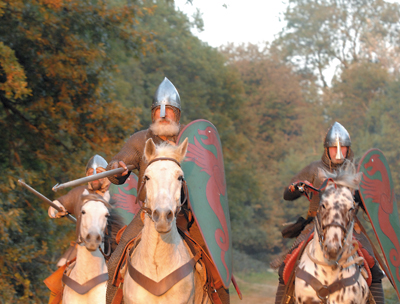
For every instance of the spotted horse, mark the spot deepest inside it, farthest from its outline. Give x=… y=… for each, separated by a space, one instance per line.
x=330 y=268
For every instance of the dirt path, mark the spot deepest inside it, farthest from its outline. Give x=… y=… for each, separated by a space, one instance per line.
x=254 y=293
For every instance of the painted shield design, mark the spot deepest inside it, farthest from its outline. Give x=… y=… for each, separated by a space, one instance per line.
x=205 y=176
x=123 y=198
x=377 y=194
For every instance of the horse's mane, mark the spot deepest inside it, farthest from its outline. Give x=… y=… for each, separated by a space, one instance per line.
x=346 y=175
x=166 y=150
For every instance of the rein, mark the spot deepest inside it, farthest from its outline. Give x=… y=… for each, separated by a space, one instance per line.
x=147 y=210
x=78 y=231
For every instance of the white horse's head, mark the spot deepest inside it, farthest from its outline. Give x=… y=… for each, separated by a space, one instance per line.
x=93 y=216
x=164 y=178
x=334 y=221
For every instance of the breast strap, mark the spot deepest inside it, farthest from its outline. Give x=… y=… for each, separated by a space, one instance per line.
x=161 y=287
x=85 y=287
x=324 y=291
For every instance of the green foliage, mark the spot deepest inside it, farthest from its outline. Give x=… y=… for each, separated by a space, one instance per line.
x=56 y=110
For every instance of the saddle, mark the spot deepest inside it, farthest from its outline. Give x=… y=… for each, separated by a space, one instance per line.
x=210 y=279
x=292 y=258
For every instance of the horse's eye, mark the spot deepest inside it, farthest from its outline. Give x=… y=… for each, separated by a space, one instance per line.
x=146 y=177
x=351 y=209
x=323 y=206
x=180 y=178
x=107 y=215
x=83 y=211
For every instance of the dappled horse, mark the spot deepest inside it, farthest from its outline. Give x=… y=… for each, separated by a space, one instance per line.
x=329 y=270
x=162 y=269
x=86 y=282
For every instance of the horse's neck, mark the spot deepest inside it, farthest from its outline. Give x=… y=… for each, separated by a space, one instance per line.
x=89 y=264
x=316 y=251
x=161 y=249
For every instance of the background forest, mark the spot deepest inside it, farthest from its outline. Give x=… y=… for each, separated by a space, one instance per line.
x=77 y=78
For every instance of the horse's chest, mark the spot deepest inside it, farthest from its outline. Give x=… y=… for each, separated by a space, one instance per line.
x=305 y=292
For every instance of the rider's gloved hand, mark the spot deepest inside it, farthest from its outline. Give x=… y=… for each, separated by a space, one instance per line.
x=120 y=164
x=53 y=213
x=299 y=185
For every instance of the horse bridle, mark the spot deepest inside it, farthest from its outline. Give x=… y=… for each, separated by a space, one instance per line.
x=321 y=230
x=78 y=230
x=147 y=210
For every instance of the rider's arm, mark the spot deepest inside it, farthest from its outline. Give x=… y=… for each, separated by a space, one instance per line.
x=67 y=202
x=129 y=154
x=291 y=192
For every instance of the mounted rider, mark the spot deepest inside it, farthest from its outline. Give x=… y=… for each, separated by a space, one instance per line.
x=95 y=165
x=165 y=128
x=337 y=148
x=67 y=203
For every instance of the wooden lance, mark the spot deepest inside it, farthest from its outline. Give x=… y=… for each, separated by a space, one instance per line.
x=45 y=199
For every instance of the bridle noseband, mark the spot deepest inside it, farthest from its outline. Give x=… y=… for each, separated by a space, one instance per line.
x=147 y=210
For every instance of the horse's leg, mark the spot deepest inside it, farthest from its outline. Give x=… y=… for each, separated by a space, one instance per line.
x=131 y=231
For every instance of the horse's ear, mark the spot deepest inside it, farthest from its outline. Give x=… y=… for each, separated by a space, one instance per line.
x=149 y=150
x=106 y=196
x=85 y=192
x=182 y=148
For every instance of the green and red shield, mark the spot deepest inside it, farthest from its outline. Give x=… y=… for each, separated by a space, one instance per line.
x=377 y=194
x=123 y=198
x=205 y=176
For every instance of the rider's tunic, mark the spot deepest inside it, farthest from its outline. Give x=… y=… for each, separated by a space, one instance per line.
x=310 y=173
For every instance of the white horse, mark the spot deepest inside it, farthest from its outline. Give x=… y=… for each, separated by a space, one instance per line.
x=87 y=280
x=161 y=250
x=329 y=270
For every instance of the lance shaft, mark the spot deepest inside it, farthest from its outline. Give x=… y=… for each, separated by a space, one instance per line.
x=45 y=199
x=91 y=178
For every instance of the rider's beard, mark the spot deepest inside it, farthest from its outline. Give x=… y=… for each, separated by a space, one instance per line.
x=162 y=129
x=101 y=185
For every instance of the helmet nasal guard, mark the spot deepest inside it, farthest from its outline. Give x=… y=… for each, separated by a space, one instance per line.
x=337 y=136
x=166 y=95
x=96 y=162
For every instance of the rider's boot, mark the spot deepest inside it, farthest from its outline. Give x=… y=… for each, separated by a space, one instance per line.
x=377 y=292
x=280 y=292
x=376 y=285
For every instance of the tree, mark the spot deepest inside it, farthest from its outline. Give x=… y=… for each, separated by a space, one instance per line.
x=322 y=34
x=56 y=110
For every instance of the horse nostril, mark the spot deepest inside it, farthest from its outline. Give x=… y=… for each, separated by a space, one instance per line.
x=98 y=238
x=155 y=215
x=88 y=237
x=170 y=216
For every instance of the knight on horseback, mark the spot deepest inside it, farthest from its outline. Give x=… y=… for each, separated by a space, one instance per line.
x=165 y=128
x=96 y=164
x=67 y=202
x=337 y=149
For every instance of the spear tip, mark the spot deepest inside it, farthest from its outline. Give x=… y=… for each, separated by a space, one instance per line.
x=55 y=188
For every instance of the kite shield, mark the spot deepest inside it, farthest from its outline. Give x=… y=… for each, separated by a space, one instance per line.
x=123 y=198
x=205 y=176
x=377 y=194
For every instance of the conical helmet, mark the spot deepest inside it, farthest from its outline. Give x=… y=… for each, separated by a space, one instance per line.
x=96 y=162
x=337 y=136
x=166 y=95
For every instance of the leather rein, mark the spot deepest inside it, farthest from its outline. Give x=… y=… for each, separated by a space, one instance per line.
x=323 y=292
x=161 y=287
x=87 y=286
x=147 y=210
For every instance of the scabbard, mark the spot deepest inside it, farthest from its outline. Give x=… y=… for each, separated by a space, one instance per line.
x=91 y=178
x=45 y=199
